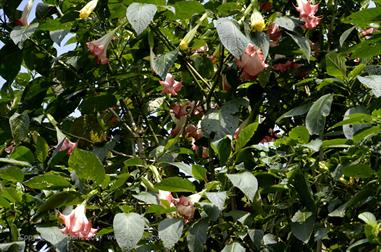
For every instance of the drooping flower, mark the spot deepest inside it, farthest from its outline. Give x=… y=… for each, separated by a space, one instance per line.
x=192 y=131
x=88 y=9
x=252 y=62
x=257 y=21
x=274 y=34
x=99 y=47
x=185 y=208
x=179 y=113
x=77 y=225
x=305 y=8
x=170 y=85
x=23 y=21
x=307 y=13
x=67 y=145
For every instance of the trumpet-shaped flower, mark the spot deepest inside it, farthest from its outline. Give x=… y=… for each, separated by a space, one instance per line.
x=77 y=225
x=185 y=208
x=305 y=8
x=68 y=146
x=257 y=21
x=311 y=22
x=170 y=85
x=88 y=9
x=179 y=114
x=99 y=47
x=23 y=21
x=252 y=62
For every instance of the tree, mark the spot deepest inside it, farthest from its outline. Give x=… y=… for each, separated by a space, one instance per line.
x=191 y=125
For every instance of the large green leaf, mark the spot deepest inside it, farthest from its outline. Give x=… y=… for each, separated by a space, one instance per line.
x=246 y=182
x=197 y=236
x=176 y=184
x=18 y=246
x=11 y=59
x=245 y=136
x=128 y=230
x=234 y=247
x=21 y=33
x=288 y=23
x=368 y=218
x=186 y=9
x=19 y=126
x=87 y=165
x=298 y=181
x=11 y=173
x=55 y=236
x=162 y=63
x=217 y=198
x=140 y=15
x=364 y=17
x=170 y=231
x=367 y=49
x=303 y=230
x=373 y=82
x=303 y=43
x=47 y=181
x=320 y=109
x=231 y=36
x=23 y=153
x=358 y=170
x=222 y=148
x=300 y=110
x=336 y=65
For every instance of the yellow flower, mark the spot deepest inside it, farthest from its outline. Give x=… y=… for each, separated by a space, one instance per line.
x=257 y=21
x=87 y=9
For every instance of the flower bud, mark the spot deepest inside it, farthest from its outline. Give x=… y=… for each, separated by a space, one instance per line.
x=257 y=21
x=88 y=9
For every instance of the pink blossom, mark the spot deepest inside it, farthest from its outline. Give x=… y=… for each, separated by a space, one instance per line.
x=274 y=34
x=165 y=195
x=77 y=225
x=307 y=13
x=99 y=47
x=170 y=85
x=283 y=67
x=67 y=145
x=185 y=208
x=23 y=21
x=305 y=8
x=311 y=22
x=252 y=62
x=194 y=132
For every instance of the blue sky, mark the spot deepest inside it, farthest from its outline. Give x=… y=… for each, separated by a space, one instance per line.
x=60 y=49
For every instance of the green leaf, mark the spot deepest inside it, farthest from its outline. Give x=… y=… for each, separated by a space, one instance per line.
x=345 y=35
x=367 y=49
x=118 y=8
x=147 y=197
x=11 y=173
x=18 y=246
x=373 y=82
x=368 y=218
x=287 y=23
x=87 y=165
x=57 y=200
x=47 y=181
x=97 y=103
x=54 y=25
x=364 y=17
x=21 y=33
x=303 y=43
x=356 y=71
x=162 y=63
x=134 y=161
x=300 y=134
x=42 y=148
x=222 y=148
x=245 y=135
x=246 y=182
x=262 y=40
x=186 y=9
x=128 y=230
x=11 y=59
x=231 y=36
x=234 y=247
x=336 y=65
x=197 y=236
x=14 y=162
x=298 y=181
x=140 y=16
x=170 y=231
x=19 y=124
x=303 y=231
x=23 y=153
x=199 y=172
x=185 y=168
x=355 y=119
x=176 y=184
x=55 y=236
x=217 y=198
x=301 y=217
x=320 y=109
x=366 y=133
x=358 y=171
x=300 y=110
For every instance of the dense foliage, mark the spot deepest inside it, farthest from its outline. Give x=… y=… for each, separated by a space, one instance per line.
x=191 y=125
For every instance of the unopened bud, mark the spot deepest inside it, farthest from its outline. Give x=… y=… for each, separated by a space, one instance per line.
x=257 y=21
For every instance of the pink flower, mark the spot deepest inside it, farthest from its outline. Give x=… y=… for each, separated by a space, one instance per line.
x=311 y=22
x=307 y=13
x=252 y=62
x=305 y=8
x=179 y=114
x=283 y=67
x=274 y=34
x=194 y=132
x=77 y=225
x=185 y=208
x=23 y=21
x=99 y=47
x=67 y=145
x=165 y=195
x=170 y=85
